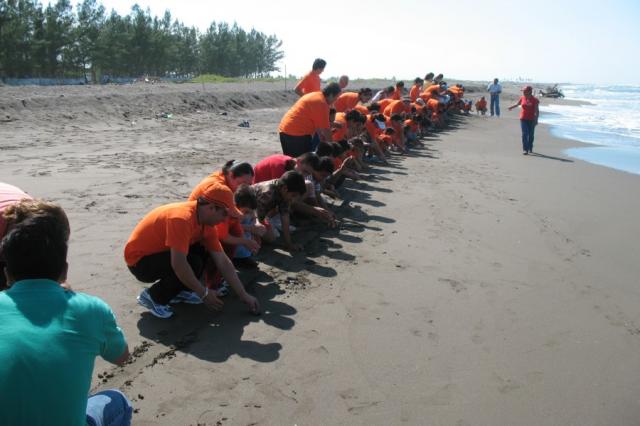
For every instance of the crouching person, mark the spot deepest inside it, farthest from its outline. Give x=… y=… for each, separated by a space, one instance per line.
x=169 y=248
x=50 y=336
x=274 y=203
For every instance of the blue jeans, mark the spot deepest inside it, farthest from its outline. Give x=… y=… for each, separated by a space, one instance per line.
x=495 y=105
x=528 y=128
x=109 y=408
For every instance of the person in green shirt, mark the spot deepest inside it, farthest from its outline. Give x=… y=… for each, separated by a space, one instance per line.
x=50 y=335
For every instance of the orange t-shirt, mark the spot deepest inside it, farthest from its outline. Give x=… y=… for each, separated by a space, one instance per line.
x=310 y=83
x=481 y=104
x=396 y=107
x=397 y=94
x=172 y=226
x=433 y=105
x=384 y=102
x=433 y=89
x=361 y=109
x=372 y=128
x=414 y=92
x=341 y=133
x=385 y=139
x=412 y=124
x=309 y=113
x=346 y=101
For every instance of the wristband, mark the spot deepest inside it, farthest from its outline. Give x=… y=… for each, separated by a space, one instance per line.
x=206 y=293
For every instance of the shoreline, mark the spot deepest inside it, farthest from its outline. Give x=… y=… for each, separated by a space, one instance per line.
x=468 y=284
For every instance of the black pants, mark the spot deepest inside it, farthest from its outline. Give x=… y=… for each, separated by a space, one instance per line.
x=295 y=146
x=156 y=268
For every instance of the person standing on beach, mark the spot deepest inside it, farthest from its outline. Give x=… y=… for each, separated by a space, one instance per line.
x=50 y=335
x=528 y=117
x=494 y=90
x=169 y=248
x=309 y=115
x=311 y=82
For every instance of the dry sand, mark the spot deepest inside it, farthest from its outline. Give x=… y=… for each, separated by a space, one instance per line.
x=468 y=284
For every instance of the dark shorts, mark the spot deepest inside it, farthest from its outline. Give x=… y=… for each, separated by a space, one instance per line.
x=295 y=146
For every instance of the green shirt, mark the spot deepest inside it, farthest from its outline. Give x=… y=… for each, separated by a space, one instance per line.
x=49 y=339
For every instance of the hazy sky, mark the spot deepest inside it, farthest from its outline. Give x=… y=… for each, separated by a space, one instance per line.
x=546 y=40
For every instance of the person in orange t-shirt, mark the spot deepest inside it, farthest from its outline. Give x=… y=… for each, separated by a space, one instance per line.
x=415 y=89
x=383 y=103
x=481 y=106
x=169 y=247
x=396 y=123
x=311 y=81
x=349 y=100
x=402 y=106
x=310 y=114
x=233 y=174
x=350 y=125
x=398 y=92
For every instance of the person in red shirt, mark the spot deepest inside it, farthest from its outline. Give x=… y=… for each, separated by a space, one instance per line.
x=529 y=113
x=169 y=247
x=311 y=81
x=309 y=115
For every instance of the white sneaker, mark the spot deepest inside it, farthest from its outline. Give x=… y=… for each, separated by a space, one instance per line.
x=223 y=290
x=186 y=296
x=160 y=311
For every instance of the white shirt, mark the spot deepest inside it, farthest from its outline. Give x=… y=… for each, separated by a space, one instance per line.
x=378 y=96
x=494 y=89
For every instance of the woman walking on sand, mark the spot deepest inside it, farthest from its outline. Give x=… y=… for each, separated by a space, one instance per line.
x=528 y=117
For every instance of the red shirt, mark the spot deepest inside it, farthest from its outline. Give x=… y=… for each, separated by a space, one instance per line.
x=271 y=167
x=528 y=105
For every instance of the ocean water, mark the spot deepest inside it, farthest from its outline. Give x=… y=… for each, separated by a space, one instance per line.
x=611 y=123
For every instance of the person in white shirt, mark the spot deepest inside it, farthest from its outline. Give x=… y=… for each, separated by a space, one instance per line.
x=494 y=90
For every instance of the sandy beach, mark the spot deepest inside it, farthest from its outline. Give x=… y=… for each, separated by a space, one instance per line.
x=467 y=285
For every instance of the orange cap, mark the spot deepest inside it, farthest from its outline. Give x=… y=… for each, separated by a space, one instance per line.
x=221 y=195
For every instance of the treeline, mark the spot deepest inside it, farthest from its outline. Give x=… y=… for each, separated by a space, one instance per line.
x=59 y=41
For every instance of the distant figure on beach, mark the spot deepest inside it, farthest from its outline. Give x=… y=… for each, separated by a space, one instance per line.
x=494 y=90
x=528 y=117
x=343 y=81
x=309 y=115
x=169 y=248
x=311 y=81
x=481 y=106
x=51 y=335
